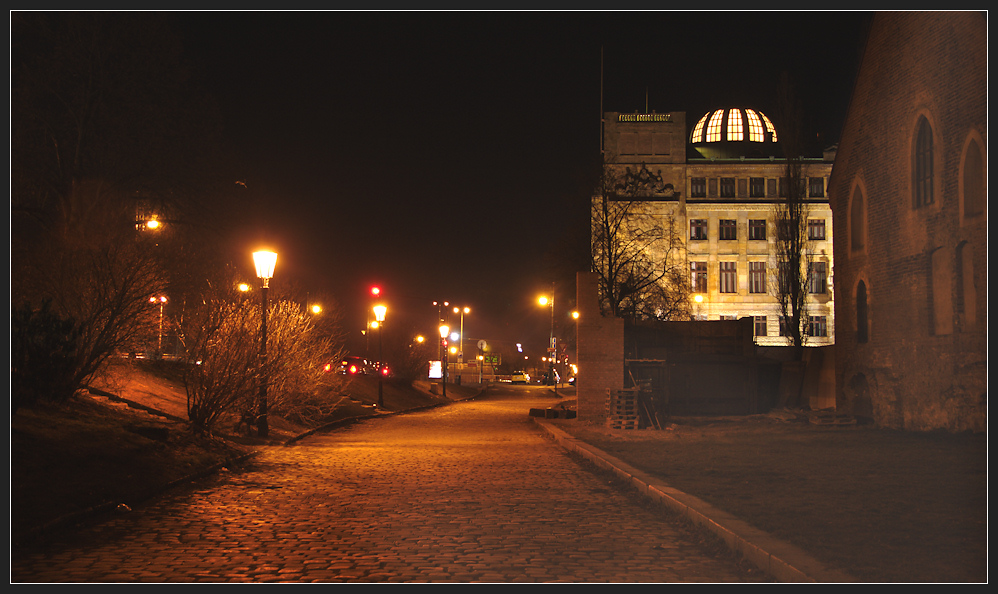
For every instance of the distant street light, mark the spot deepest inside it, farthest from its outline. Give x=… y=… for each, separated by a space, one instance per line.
x=379 y=315
x=265 y=262
x=159 y=344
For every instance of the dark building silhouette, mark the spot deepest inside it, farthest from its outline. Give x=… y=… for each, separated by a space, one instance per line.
x=909 y=199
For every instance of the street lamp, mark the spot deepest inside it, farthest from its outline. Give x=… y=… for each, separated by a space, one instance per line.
x=379 y=315
x=552 y=346
x=444 y=330
x=440 y=318
x=265 y=262
x=159 y=344
x=460 y=347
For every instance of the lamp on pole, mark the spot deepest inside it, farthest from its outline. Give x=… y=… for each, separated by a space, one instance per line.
x=444 y=330
x=440 y=319
x=460 y=346
x=161 y=300
x=379 y=316
x=552 y=346
x=265 y=262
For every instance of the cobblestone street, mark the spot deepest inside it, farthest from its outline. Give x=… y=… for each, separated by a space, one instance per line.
x=470 y=492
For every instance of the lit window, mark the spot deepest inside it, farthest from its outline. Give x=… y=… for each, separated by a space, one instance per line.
x=755 y=130
x=728 y=278
x=760 y=325
x=714 y=126
x=816 y=229
x=816 y=326
x=735 y=132
x=769 y=125
x=698 y=187
x=817 y=278
x=727 y=187
x=698 y=228
x=727 y=229
x=698 y=129
x=757 y=277
x=699 y=276
x=816 y=187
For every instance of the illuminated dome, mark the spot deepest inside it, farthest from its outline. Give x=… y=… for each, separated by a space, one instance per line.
x=734 y=132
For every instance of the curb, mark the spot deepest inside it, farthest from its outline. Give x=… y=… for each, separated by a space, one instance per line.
x=784 y=562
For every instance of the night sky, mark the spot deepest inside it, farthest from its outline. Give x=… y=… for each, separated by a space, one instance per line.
x=447 y=155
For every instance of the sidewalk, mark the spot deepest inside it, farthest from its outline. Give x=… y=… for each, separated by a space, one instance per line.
x=811 y=502
x=785 y=562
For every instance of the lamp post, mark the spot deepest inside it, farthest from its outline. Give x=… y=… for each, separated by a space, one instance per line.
x=444 y=330
x=440 y=319
x=552 y=347
x=460 y=346
x=379 y=316
x=265 y=262
x=159 y=343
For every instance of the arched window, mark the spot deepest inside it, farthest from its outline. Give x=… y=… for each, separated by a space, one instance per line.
x=923 y=179
x=941 y=275
x=857 y=220
x=862 y=314
x=974 y=196
x=966 y=291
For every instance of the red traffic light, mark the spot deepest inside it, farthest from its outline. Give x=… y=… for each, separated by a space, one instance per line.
x=375 y=291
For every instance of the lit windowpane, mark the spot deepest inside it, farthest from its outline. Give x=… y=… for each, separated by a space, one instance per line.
x=735 y=132
x=714 y=127
x=698 y=130
x=769 y=126
x=755 y=131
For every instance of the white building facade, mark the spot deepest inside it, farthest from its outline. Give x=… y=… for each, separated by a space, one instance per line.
x=719 y=186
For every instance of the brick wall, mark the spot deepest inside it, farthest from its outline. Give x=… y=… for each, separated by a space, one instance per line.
x=923 y=364
x=601 y=352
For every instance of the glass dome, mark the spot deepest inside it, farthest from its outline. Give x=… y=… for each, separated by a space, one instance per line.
x=733 y=125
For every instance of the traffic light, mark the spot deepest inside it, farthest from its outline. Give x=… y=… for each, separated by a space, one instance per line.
x=375 y=291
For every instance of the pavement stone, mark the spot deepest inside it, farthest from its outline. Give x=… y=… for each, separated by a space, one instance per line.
x=469 y=493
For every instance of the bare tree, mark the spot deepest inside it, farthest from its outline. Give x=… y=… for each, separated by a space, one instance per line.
x=223 y=377
x=793 y=248
x=636 y=251
x=96 y=274
x=95 y=115
x=224 y=343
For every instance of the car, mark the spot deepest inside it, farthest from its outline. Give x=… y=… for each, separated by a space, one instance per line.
x=356 y=366
x=520 y=377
